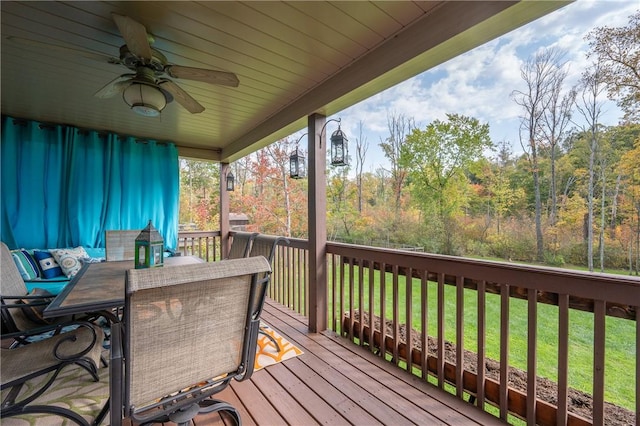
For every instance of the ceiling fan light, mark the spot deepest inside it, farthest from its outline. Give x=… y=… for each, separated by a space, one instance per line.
x=144 y=99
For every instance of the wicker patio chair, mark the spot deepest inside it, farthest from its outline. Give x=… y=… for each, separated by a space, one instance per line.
x=120 y=244
x=187 y=332
x=81 y=346
x=241 y=244
x=265 y=245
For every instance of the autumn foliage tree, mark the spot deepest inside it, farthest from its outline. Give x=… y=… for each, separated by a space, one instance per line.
x=617 y=49
x=436 y=159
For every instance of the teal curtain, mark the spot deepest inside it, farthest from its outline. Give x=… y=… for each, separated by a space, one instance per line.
x=63 y=187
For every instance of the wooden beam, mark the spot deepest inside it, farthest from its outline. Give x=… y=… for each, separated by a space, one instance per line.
x=448 y=31
x=199 y=153
x=317 y=211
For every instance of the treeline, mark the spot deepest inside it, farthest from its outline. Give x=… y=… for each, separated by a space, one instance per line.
x=475 y=205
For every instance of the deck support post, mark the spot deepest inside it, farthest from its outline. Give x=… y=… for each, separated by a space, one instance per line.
x=224 y=211
x=317 y=212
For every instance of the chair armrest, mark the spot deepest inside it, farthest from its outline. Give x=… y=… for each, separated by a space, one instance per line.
x=20 y=336
x=37 y=300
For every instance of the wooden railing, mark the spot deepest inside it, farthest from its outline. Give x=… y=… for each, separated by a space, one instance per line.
x=470 y=312
x=204 y=244
x=290 y=278
x=435 y=299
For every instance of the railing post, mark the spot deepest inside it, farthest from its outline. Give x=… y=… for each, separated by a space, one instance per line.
x=317 y=208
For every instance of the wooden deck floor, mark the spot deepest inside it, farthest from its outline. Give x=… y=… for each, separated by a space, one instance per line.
x=335 y=382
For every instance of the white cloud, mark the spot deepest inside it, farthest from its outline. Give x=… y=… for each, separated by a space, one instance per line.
x=479 y=83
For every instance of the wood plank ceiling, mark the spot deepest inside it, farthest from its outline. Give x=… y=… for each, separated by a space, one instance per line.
x=292 y=59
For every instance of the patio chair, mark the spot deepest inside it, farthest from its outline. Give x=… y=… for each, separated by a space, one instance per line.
x=120 y=244
x=265 y=245
x=187 y=332
x=81 y=346
x=21 y=311
x=241 y=244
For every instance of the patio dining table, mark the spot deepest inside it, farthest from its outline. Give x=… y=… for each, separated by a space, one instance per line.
x=100 y=287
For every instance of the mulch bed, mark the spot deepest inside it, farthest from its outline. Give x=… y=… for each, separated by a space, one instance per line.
x=579 y=402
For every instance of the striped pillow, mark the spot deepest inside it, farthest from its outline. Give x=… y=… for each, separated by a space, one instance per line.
x=27 y=265
x=48 y=265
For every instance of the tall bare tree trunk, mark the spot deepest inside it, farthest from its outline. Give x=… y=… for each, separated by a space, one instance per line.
x=538 y=212
x=361 y=152
x=399 y=127
x=543 y=75
x=590 y=107
x=603 y=224
x=592 y=155
x=614 y=207
x=555 y=119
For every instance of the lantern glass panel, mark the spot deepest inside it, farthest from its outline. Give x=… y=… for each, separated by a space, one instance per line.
x=302 y=168
x=157 y=255
x=338 y=147
x=142 y=251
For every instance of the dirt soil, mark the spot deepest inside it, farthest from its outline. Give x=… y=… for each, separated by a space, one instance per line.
x=579 y=402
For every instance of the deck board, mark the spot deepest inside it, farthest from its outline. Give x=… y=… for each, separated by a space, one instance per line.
x=335 y=382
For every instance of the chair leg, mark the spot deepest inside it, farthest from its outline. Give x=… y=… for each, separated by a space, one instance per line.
x=267 y=335
x=211 y=405
x=185 y=415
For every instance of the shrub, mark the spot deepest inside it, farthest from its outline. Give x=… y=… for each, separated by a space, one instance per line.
x=576 y=254
x=553 y=259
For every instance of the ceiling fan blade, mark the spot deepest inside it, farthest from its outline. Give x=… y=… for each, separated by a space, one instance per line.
x=182 y=97
x=204 y=75
x=135 y=36
x=114 y=87
x=22 y=42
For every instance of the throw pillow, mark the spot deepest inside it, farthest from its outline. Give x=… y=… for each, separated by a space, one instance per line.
x=48 y=265
x=34 y=307
x=69 y=259
x=26 y=264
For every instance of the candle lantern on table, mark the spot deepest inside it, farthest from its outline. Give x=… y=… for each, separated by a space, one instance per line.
x=149 y=248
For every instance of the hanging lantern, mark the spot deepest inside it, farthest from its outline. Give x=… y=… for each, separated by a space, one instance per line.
x=297 y=165
x=231 y=181
x=339 y=148
x=149 y=248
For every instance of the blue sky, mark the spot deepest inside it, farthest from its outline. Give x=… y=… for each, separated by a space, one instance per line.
x=479 y=83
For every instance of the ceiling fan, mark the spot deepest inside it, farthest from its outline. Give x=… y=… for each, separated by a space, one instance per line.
x=147 y=90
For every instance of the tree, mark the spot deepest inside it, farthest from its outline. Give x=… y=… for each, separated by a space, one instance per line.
x=541 y=75
x=630 y=168
x=399 y=127
x=555 y=119
x=199 y=192
x=361 y=153
x=279 y=153
x=241 y=170
x=617 y=50
x=503 y=195
x=436 y=159
x=589 y=105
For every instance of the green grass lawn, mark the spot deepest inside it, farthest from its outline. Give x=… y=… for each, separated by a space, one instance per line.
x=620 y=334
